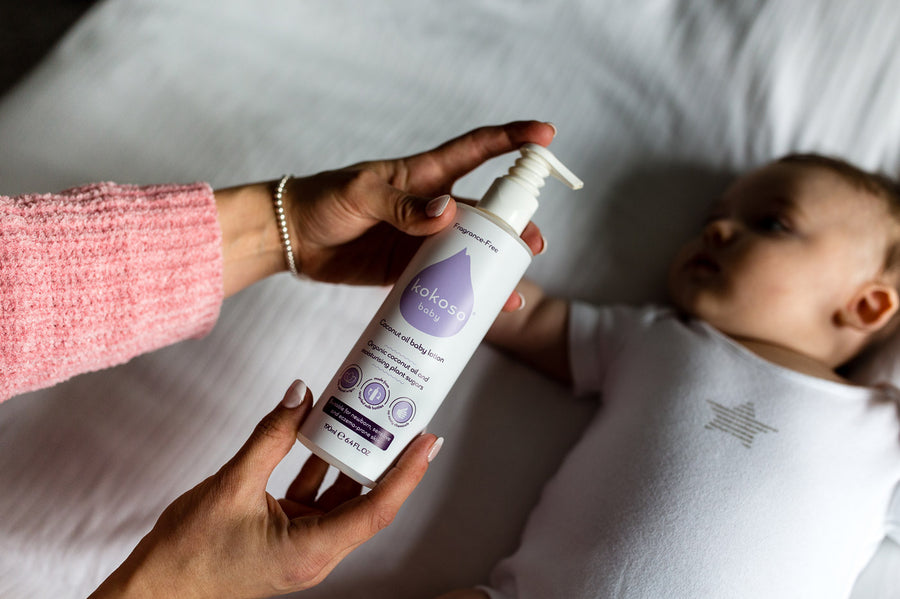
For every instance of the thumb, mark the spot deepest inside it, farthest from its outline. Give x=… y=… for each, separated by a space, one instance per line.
x=415 y=215
x=273 y=437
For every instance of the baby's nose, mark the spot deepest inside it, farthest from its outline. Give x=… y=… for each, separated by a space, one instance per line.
x=718 y=232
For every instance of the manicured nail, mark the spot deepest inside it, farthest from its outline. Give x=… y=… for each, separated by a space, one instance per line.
x=543 y=245
x=554 y=127
x=435 y=449
x=295 y=395
x=436 y=207
x=521 y=301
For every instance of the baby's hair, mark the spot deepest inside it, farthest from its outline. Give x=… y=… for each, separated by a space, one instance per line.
x=878 y=185
x=875 y=183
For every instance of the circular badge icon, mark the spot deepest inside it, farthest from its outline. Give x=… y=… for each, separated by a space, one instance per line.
x=402 y=411
x=374 y=393
x=350 y=378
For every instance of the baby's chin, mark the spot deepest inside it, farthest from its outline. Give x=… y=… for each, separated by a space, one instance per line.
x=692 y=306
x=705 y=300
x=679 y=299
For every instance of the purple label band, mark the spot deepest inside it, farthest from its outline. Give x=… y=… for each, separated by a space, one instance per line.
x=359 y=424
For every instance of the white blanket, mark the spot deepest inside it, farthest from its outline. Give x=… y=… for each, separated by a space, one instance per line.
x=657 y=102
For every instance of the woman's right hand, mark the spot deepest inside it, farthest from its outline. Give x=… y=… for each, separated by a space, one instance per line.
x=361 y=224
x=227 y=537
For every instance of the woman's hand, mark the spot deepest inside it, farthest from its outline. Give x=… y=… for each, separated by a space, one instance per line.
x=227 y=537
x=361 y=224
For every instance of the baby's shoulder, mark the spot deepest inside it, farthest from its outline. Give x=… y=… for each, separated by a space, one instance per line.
x=631 y=321
x=645 y=313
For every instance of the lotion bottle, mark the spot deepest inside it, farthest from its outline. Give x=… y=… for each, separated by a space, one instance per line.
x=416 y=345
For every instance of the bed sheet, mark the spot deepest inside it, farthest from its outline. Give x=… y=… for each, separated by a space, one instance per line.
x=657 y=102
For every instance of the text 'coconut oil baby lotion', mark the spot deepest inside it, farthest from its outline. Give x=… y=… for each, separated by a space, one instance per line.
x=441 y=307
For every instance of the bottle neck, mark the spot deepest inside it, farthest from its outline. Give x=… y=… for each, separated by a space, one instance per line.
x=510 y=202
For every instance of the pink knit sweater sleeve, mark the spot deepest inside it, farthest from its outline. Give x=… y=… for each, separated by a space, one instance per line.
x=96 y=275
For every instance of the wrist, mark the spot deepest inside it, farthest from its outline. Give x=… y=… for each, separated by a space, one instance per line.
x=130 y=580
x=151 y=572
x=251 y=243
x=279 y=204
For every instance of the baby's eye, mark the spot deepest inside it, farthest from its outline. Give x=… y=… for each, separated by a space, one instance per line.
x=771 y=224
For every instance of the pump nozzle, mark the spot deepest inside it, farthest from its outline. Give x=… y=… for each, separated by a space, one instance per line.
x=513 y=197
x=541 y=161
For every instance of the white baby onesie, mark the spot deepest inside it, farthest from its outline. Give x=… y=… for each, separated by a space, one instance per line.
x=707 y=473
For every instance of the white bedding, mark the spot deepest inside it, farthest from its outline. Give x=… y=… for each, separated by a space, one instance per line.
x=657 y=103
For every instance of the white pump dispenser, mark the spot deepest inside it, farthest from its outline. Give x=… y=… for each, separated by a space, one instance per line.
x=416 y=345
x=513 y=197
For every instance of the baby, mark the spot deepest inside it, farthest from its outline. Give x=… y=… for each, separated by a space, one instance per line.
x=728 y=459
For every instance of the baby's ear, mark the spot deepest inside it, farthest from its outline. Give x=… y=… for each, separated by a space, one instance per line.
x=871 y=308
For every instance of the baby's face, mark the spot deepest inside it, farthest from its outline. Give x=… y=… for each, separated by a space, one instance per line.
x=782 y=251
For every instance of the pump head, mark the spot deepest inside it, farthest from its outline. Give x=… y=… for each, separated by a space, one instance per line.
x=513 y=197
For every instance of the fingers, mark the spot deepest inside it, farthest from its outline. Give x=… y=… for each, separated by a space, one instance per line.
x=272 y=438
x=448 y=162
x=435 y=171
x=514 y=303
x=534 y=239
x=343 y=490
x=359 y=519
x=305 y=488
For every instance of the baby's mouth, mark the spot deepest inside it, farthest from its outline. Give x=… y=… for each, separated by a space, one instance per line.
x=702 y=262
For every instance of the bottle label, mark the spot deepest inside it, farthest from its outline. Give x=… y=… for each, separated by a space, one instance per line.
x=417 y=343
x=438 y=299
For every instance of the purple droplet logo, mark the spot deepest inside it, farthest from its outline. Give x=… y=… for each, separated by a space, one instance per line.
x=438 y=300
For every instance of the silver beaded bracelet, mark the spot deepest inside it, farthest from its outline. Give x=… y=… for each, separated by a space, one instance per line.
x=282 y=225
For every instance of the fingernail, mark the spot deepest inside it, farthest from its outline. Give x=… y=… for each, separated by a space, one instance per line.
x=521 y=301
x=295 y=395
x=554 y=127
x=435 y=449
x=436 y=207
x=543 y=245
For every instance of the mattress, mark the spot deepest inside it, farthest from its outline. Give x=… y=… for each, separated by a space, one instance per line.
x=658 y=104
